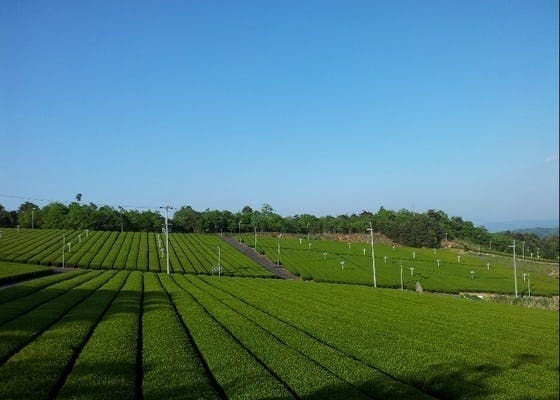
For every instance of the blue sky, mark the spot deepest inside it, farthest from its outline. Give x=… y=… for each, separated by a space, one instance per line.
x=325 y=107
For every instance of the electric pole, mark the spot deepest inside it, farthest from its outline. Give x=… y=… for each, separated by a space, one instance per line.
x=514 y=267
x=166 y=231
x=370 y=229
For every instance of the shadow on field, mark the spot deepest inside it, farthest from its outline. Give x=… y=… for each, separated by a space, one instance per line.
x=100 y=380
x=104 y=379
x=452 y=381
x=449 y=381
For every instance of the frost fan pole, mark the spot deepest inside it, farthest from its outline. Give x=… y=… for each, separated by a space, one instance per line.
x=370 y=229
x=166 y=231
x=514 y=267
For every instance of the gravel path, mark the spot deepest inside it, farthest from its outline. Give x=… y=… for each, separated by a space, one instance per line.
x=260 y=259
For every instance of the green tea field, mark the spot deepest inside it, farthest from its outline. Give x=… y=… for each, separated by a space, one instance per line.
x=130 y=334
x=190 y=253
x=438 y=270
x=12 y=272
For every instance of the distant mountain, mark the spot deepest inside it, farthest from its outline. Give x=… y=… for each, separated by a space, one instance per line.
x=500 y=226
x=540 y=232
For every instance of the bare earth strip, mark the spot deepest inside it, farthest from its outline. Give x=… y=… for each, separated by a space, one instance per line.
x=260 y=259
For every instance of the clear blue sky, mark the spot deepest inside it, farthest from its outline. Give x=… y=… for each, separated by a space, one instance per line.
x=325 y=107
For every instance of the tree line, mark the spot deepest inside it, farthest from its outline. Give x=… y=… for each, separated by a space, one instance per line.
x=432 y=228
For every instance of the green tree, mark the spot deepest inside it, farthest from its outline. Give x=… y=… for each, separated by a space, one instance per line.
x=186 y=219
x=54 y=216
x=7 y=219
x=28 y=215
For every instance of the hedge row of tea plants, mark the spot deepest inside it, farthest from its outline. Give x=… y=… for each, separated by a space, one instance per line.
x=188 y=253
x=132 y=334
x=320 y=260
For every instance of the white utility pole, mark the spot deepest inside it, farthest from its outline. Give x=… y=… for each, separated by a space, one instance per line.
x=166 y=231
x=514 y=267
x=370 y=229
x=308 y=232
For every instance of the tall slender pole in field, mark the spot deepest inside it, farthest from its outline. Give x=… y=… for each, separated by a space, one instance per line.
x=514 y=267
x=308 y=232
x=166 y=230
x=370 y=229
x=255 y=238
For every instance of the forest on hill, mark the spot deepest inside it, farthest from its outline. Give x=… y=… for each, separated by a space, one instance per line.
x=432 y=228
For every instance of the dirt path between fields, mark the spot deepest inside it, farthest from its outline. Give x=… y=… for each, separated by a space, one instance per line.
x=260 y=259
